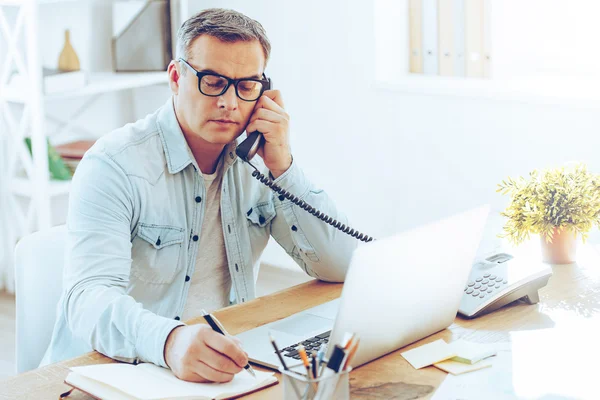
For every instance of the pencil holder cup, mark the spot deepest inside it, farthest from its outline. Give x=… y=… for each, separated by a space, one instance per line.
x=298 y=386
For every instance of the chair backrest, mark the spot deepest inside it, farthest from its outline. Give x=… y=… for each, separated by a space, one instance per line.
x=39 y=262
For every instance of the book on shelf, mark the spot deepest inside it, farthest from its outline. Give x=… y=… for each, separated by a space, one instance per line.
x=72 y=153
x=53 y=81
x=74 y=150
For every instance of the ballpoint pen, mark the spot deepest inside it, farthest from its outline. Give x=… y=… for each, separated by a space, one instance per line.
x=320 y=357
x=217 y=327
x=313 y=361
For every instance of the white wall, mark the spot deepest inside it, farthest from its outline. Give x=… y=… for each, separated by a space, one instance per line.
x=390 y=160
x=393 y=160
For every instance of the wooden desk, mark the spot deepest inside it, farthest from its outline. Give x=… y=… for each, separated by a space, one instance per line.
x=573 y=291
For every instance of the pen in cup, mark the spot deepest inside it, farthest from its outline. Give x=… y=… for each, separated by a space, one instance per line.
x=320 y=356
x=217 y=327
x=283 y=364
x=304 y=358
x=334 y=366
x=351 y=354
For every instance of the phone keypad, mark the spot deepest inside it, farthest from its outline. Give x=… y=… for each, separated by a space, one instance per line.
x=483 y=285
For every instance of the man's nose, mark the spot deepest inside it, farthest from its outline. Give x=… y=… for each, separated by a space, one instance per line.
x=229 y=99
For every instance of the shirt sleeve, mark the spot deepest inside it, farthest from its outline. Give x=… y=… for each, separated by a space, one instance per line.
x=98 y=261
x=320 y=249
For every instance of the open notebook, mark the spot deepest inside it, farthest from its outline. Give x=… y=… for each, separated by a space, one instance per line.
x=150 y=382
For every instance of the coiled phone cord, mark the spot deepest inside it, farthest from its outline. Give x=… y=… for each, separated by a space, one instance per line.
x=307 y=207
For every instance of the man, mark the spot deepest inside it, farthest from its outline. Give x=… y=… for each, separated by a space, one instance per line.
x=165 y=220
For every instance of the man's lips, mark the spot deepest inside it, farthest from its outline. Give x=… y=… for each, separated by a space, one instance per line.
x=224 y=121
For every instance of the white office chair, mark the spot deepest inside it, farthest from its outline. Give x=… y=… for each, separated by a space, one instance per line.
x=39 y=261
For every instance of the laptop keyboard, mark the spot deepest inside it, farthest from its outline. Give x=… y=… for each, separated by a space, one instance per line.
x=310 y=344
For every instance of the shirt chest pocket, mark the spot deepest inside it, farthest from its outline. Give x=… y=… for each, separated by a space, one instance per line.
x=261 y=214
x=259 y=225
x=156 y=252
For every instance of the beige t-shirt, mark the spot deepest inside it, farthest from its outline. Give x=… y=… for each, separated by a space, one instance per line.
x=211 y=283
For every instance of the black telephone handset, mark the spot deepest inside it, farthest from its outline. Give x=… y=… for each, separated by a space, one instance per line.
x=247 y=150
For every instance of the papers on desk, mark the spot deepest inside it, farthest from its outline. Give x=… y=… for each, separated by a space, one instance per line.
x=428 y=354
x=556 y=363
x=493 y=383
x=457 y=357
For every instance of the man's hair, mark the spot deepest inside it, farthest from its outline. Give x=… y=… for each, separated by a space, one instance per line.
x=226 y=25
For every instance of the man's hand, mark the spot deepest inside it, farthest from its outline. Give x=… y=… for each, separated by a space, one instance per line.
x=196 y=353
x=272 y=121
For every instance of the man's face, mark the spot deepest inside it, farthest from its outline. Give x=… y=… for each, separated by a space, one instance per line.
x=217 y=120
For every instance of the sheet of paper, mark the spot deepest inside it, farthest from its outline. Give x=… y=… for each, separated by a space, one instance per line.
x=429 y=354
x=149 y=381
x=471 y=352
x=457 y=368
x=492 y=383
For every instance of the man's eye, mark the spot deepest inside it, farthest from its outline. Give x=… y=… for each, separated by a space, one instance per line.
x=214 y=82
x=247 y=86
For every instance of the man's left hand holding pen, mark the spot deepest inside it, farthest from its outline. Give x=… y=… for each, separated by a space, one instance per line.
x=197 y=353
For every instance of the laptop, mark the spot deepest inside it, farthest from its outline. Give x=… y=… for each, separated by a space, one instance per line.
x=397 y=291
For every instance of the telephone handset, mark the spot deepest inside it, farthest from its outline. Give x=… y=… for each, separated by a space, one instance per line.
x=247 y=150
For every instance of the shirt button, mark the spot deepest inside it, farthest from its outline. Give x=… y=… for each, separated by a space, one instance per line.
x=198 y=199
x=177 y=318
x=187 y=278
x=294 y=228
x=195 y=238
x=261 y=219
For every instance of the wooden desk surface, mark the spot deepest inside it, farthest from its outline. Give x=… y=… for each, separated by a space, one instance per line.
x=573 y=291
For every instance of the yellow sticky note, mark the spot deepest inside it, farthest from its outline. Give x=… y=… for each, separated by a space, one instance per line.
x=457 y=368
x=429 y=354
x=470 y=352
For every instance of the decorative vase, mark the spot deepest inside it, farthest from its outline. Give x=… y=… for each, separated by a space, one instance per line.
x=563 y=248
x=68 y=60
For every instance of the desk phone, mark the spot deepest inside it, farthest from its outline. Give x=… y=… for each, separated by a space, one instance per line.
x=501 y=279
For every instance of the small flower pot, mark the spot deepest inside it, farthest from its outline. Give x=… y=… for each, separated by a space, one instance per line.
x=562 y=250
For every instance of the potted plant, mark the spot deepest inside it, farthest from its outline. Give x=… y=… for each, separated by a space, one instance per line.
x=558 y=204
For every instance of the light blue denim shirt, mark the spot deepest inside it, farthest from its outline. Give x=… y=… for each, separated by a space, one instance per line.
x=135 y=216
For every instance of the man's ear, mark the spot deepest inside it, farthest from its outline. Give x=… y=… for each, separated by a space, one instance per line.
x=174 y=75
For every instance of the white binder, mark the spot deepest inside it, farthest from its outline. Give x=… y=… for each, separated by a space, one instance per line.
x=415 y=21
x=459 y=38
x=446 y=37
x=430 y=37
x=487 y=38
x=474 y=37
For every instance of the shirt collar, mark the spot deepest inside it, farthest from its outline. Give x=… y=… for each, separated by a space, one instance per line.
x=177 y=151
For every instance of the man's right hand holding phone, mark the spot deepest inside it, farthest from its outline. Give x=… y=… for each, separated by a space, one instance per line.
x=196 y=353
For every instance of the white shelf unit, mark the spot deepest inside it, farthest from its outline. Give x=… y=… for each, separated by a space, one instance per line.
x=27 y=175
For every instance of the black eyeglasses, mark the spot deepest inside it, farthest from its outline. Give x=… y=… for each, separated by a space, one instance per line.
x=247 y=89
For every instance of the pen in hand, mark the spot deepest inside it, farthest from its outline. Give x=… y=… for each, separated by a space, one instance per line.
x=217 y=327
